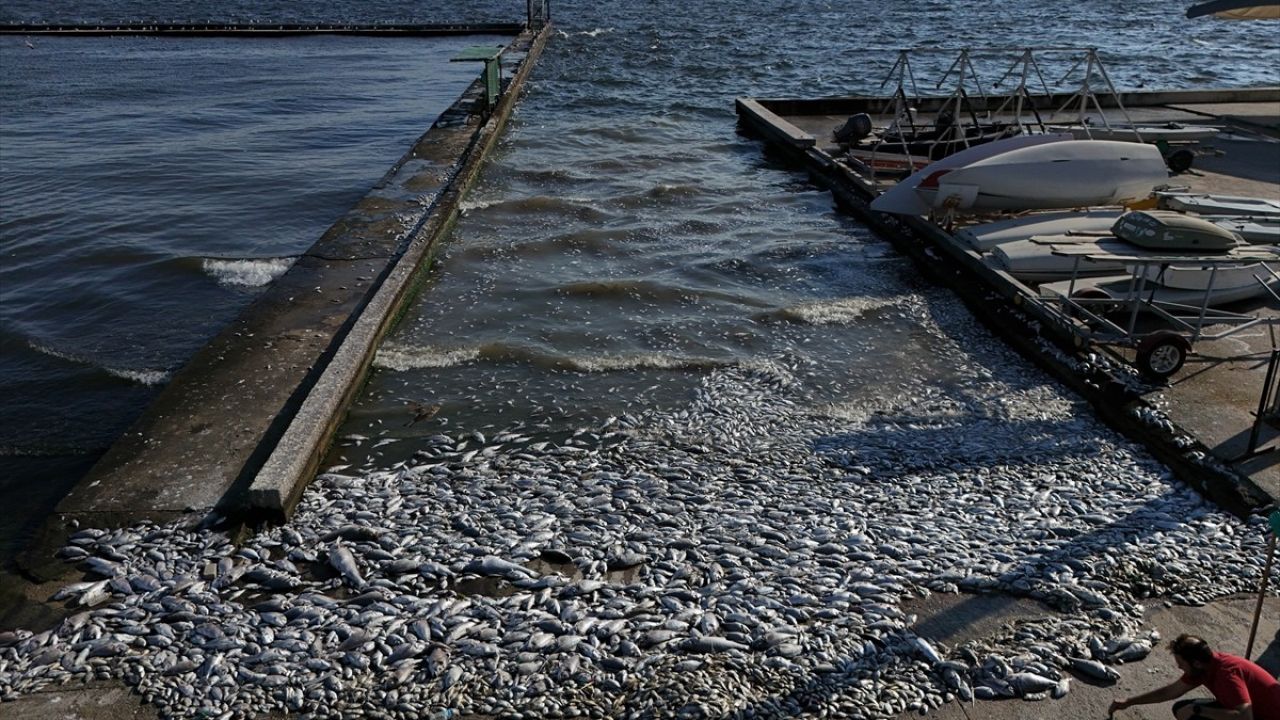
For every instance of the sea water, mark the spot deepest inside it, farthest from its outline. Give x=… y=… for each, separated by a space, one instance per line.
x=624 y=238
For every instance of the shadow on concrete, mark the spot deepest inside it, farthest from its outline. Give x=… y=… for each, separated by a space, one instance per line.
x=1270 y=657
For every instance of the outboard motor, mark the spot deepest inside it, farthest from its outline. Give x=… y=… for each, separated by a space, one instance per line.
x=854 y=129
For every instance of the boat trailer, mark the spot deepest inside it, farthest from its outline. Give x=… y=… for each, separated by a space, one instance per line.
x=1161 y=326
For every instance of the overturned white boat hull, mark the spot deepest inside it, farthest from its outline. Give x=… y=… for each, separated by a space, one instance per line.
x=902 y=199
x=1058 y=175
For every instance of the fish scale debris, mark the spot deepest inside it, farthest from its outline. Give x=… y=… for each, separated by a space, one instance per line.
x=746 y=556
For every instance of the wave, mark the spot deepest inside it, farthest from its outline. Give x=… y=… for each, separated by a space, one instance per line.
x=248 y=272
x=594 y=32
x=141 y=376
x=403 y=358
x=650 y=290
x=592 y=241
x=829 y=312
x=658 y=194
x=39 y=450
x=580 y=208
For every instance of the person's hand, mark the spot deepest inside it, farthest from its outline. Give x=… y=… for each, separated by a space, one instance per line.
x=1116 y=705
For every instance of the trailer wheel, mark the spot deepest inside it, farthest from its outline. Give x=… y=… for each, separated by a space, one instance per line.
x=1179 y=161
x=1162 y=355
x=1096 y=306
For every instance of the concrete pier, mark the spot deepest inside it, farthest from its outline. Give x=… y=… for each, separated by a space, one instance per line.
x=271 y=388
x=261 y=29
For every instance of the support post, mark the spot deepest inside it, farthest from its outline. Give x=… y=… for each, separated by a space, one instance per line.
x=1266 y=575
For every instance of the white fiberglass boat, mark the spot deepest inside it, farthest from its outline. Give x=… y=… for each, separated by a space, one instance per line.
x=902 y=199
x=1169 y=132
x=1205 y=204
x=1094 y=223
x=1155 y=233
x=986 y=236
x=1066 y=174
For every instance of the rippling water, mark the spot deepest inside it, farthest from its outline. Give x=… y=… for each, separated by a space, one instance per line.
x=624 y=238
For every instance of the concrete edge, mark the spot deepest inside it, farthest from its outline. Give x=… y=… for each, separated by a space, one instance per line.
x=278 y=485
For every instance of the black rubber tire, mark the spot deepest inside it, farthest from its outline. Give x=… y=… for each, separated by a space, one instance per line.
x=1162 y=355
x=1099 y=309
x=1180 y=161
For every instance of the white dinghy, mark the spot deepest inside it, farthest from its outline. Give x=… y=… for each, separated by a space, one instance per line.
x=1205 y=204
x=1169 y=132
x=902 y=199
x=1154 y=233
x=1096 y=223
x=1067 y=174
x=986 y=236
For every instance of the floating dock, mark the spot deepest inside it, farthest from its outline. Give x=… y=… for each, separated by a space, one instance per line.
x=238 y=432
x=1205 y=427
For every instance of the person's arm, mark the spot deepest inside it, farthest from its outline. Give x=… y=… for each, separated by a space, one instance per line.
x=1172 y=691
x=1232 y=693
x=1243 y=712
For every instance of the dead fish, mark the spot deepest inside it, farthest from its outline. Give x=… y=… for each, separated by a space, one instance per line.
x=437 y=661
x=926 y=650
x=345 y=563
x=492 y=566
x=1026 y=683
x=1094 y=669
x=710 y=645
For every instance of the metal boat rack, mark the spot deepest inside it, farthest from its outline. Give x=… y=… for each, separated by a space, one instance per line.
x=1162 y=331
x=970 y=108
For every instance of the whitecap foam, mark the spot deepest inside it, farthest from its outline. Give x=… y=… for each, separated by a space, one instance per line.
x=60 y=354
x=467 y=206
x=833 y=312
x=641 y=361
x=594 y=32
x=142 y=376
x=402 y=358
x=251 y=272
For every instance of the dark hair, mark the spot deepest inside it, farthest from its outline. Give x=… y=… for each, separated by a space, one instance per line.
x=1192 y=649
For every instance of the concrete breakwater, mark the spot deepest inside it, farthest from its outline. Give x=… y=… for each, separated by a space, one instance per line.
x=189 y=29
x=204 y=440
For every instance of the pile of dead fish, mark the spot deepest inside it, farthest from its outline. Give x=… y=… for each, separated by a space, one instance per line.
x=747 y=556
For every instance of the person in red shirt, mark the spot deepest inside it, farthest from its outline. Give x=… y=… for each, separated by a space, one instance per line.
x=1241 y=689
